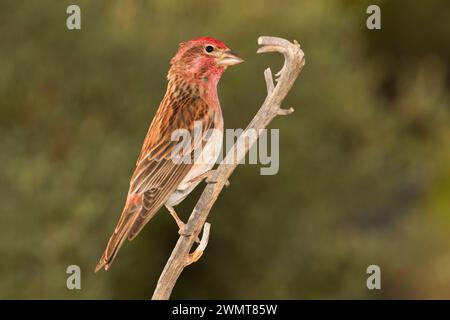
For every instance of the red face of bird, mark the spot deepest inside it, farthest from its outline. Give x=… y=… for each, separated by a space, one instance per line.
x=204 y=58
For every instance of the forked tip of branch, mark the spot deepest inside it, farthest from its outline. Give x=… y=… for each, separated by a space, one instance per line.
x=291 y=51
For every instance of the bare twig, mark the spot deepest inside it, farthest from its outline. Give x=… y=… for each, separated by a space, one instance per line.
x=180 y=257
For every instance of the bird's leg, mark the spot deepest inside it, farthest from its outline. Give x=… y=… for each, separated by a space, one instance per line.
x=207 y=176
x=201 y=176
x=180 y=223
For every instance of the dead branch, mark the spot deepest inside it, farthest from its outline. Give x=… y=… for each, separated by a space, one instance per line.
x=181 y=257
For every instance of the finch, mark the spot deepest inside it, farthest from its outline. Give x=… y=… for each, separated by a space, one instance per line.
x=191 y=104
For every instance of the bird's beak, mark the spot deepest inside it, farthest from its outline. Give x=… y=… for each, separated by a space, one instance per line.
x=228 y=58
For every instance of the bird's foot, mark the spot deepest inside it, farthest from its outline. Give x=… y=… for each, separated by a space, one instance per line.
x=208 y=178
x=211 y=180
x=181 y=225
x=182 y=232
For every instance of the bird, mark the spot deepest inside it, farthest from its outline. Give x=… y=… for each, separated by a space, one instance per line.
x=167 y=170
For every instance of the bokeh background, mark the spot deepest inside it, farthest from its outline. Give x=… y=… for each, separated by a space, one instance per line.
x=364 y=171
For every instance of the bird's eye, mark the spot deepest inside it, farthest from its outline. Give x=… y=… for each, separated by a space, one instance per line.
x=209 y=48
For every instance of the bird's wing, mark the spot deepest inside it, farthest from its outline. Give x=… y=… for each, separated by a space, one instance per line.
x=157 y=173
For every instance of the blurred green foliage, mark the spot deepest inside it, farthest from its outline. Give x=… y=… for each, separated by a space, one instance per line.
x=364 y=174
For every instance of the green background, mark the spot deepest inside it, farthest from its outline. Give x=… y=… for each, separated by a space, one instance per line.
x=364 y=161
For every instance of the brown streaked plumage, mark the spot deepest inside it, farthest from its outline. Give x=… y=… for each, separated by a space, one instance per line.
x=190 y=100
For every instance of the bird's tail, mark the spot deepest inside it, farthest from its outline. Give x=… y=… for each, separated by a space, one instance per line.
x=118 y=237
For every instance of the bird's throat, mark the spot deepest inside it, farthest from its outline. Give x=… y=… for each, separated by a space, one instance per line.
x=188 y=85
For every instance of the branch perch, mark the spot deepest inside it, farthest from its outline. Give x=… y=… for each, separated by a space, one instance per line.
x=294 y=60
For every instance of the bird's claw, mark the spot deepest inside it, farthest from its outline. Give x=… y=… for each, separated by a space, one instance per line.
x=209 y=180
x=182 y=232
